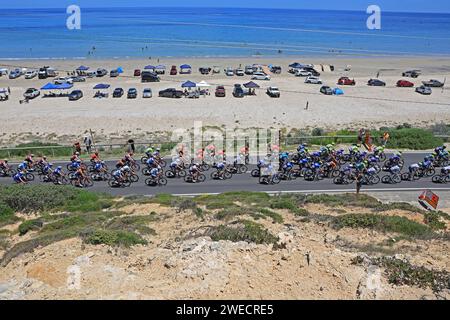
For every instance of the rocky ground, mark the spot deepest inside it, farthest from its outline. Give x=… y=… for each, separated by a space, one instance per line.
x=311 y=260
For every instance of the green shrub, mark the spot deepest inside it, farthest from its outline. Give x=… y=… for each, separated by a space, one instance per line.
x=400 y=225
x=243 y=231
x=6 y=215
x=29 y=226
x=432 y=219
x=113 y=238
x=56 y=152
x=414 y=139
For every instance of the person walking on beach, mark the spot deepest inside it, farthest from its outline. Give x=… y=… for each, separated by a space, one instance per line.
x=359 y=179
x=308 y=257
x=385 y=138
x=88 y=143
x=307 y=105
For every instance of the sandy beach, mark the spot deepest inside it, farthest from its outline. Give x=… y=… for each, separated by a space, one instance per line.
x=361 y=105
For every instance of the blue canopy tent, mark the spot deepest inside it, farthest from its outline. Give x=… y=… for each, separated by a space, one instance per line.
x=101 y=86
x=150 y=67
x=185 y=69
x=120 y=70
x=338 y=91
x=82 y=68
x=160 y=69
x=189 y=84
x=52 y=86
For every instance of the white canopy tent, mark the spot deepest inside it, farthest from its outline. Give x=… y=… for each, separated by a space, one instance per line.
x=203 y=84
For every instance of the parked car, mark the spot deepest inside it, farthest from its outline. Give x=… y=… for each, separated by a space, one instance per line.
x=326 y=90
x=47 y=72
x=249 y=70
x=75 y=95
x=303 y=73
x=31 y=93
x=405 y=84
x=63 y=80
x=310 y=68
x=411 y=74
x=132 y=93
x=238 y=92
x=275 y=69
x=433 y=83
x=14 y=74
x=346 y=81
x=171 y=93
x=137 y=72
x=376 y=83
x=114 y=73
x=313 y=80
x=147 y=93
x=101 y=72
x=229 y=72
x=205 y=70
x=118 y=93
x=79 y=79
x=424 y=90
x=220 y=92
x=149 y=76
x=240 y=72
x=173 y=71
x=273 y=92
x=31 y=74
x=260 y=76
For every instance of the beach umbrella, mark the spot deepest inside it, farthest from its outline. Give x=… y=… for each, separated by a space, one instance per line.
x=101 y=86
x=251 y=85
x=203 y=84
x=189 y=84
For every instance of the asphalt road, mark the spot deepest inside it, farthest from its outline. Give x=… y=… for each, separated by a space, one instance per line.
x=244 y=182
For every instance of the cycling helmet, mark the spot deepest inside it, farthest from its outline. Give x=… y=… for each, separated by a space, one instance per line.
x=59 y=167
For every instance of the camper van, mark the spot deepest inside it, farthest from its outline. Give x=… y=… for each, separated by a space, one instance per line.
x=47 y=72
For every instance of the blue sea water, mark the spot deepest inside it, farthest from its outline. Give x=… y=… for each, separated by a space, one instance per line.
x=201 y=32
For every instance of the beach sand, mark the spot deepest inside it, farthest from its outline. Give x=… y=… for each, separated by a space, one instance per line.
x=371 y=107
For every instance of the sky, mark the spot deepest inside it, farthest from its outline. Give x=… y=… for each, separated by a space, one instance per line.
x=438 y=6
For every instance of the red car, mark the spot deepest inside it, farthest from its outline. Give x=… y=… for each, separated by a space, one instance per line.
x=405 y=84
x=173 y=71
x=220 y=91
x=346 y=81
x=137 y=72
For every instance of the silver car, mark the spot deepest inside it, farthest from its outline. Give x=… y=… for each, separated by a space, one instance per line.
x=424 y=90
x=147 y=93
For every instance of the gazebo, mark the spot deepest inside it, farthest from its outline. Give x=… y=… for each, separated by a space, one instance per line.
x=81 y=70
x=185 y=69
x=251 y=86
x=99 y=93
x=60 y=87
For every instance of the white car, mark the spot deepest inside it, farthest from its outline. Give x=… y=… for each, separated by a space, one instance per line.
x=240 y=72
x=62 y=80
x=313 y=80
x=31 y=74
x=147 y=93
x=273 y=92
x=249 y=70
x=31 y=93
x=229 y=72
x=303 y=73
x=260 y=76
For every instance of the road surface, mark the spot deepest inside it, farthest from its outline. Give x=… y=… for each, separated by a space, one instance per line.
x=245 y=182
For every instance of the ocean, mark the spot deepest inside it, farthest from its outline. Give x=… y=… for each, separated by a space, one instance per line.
x=207 y=32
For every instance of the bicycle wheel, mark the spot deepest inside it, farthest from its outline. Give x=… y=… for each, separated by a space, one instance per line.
x=338 y=180
x=134 y=178
x=170 y=174
x=405 y=176
x=263 y=180
x=227 y=175
x=88 y=183
x=201 y=178
x=396 y=179
x=135 y=166
x=436 y=179
x=374 y=180
x=182 y=173
x=386 y=179
x=150 y=182
x=162 y=182
x=214 y=175
x=276 y=179
x=29 y=177
x=146 y=171
x=188 y=178
x=162 y=163
x=255 y=173
x=144 y=160
x=430 y=172
x=242 y=169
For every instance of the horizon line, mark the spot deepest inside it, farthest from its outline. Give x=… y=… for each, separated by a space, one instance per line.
x=209 y=7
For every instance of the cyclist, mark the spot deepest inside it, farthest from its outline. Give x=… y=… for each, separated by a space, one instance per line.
x=148 y=152
x=194 y=172
x=19 y=177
